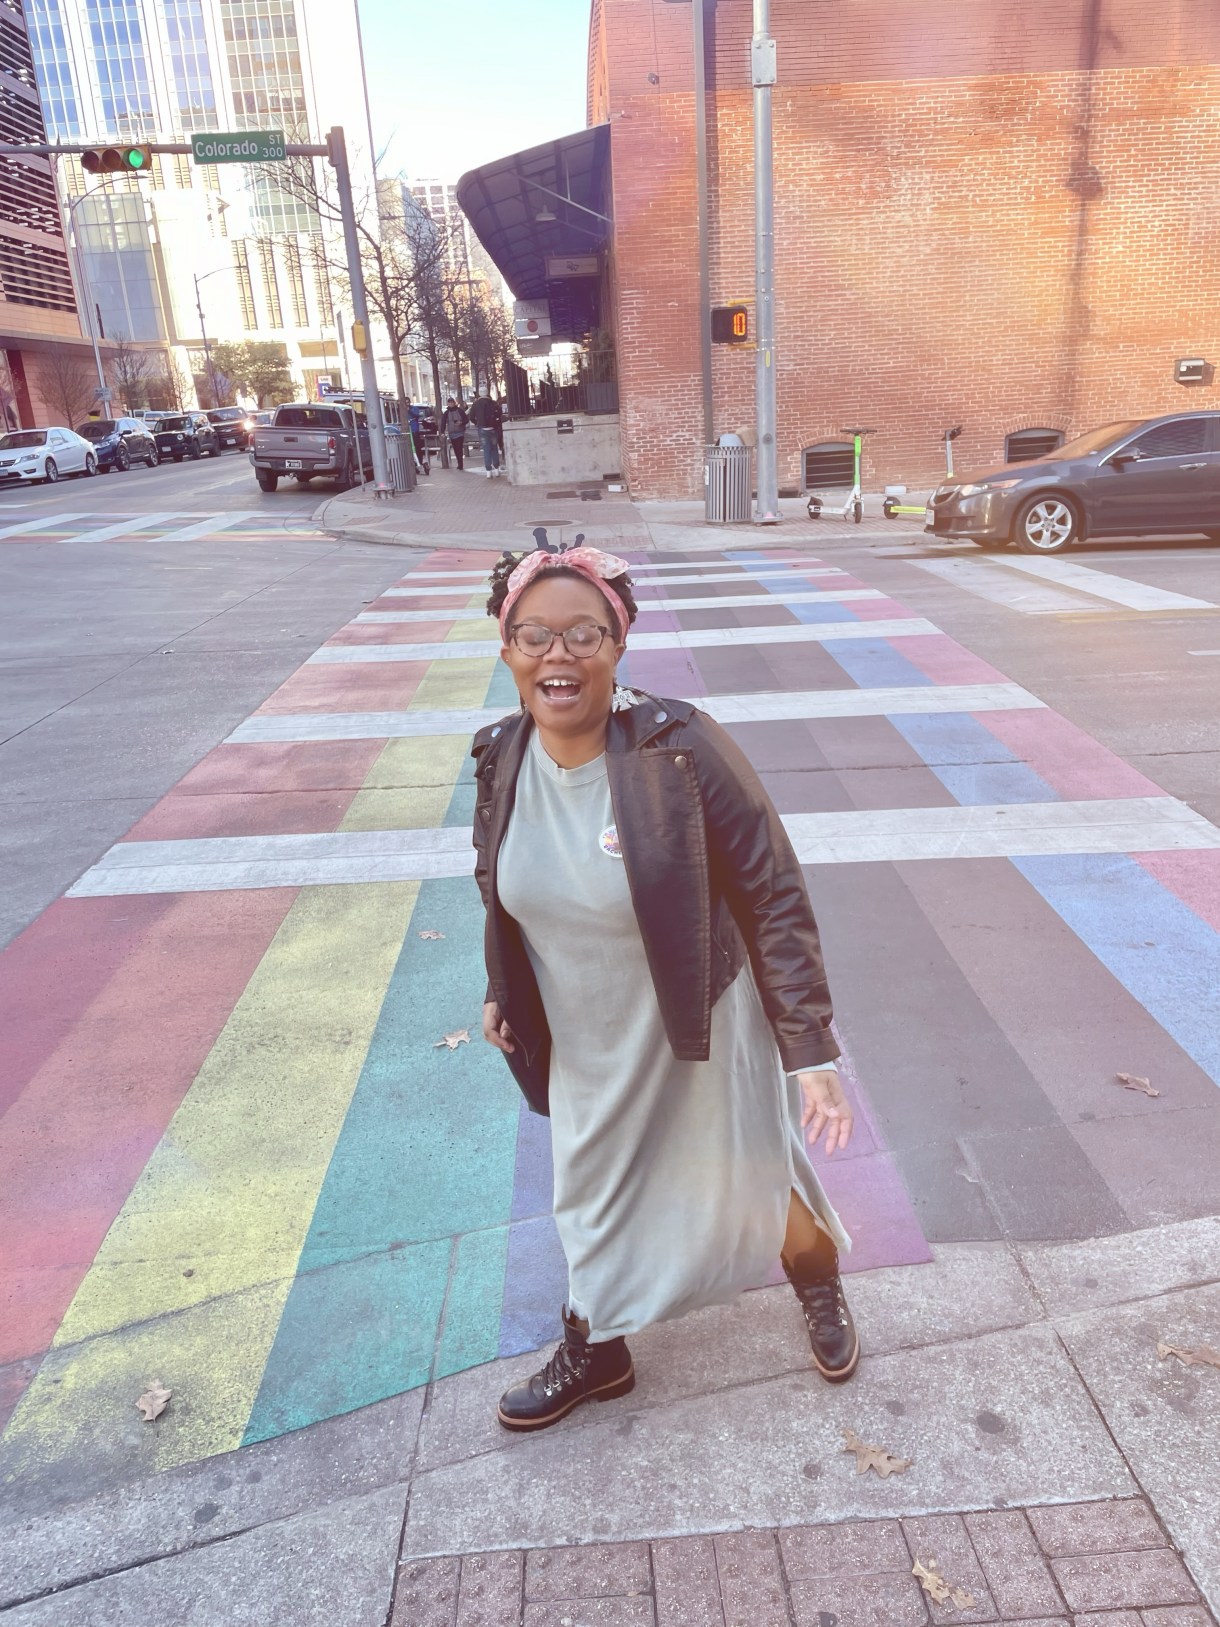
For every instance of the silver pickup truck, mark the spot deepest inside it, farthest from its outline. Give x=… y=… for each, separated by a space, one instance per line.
x=312 y=440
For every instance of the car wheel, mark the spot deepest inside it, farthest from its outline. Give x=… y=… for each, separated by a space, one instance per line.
x=1046 y=525
x=90 y=464
x=122 y=460
x=344 y=481
x=196 y=452
x=50 y=471
x=153 y=458
x=266 y=479
x=215 y=452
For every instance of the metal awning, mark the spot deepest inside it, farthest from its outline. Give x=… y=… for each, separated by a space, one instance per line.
x=548 y=202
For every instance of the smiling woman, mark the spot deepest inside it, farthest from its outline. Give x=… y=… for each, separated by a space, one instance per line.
x=656 y=986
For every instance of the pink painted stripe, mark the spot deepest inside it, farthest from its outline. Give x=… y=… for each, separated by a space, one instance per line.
x=408 y=632
x=381 y=686
x=313 y=765
x=263 y=813
x=51 y=972
x=1192 y=877
x=878 y=610
x=1069 y=760
x=945 y=661
x=88 y=1120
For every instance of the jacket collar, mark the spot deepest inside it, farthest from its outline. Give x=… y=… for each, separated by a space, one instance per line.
x=629 y=730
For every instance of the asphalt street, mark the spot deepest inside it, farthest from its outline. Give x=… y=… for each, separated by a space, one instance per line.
x=238 y=1153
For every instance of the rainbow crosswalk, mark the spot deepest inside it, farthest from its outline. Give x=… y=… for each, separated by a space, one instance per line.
x=233 y=1156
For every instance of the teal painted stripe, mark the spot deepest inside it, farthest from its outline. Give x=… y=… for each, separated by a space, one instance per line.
x=471 y=1332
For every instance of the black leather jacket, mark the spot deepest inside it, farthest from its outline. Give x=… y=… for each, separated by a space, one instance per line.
x=712 y=875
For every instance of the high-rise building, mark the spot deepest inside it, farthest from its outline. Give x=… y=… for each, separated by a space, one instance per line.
x=168 y=69
x=41 y=342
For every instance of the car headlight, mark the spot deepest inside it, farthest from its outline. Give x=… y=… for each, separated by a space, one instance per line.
x=29 y=457
x=987 y=485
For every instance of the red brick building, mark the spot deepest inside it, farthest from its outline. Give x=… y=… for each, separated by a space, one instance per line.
x=999 y=213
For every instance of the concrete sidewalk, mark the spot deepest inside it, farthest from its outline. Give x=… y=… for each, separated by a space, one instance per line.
x=1013 y=1378
x=463 y=510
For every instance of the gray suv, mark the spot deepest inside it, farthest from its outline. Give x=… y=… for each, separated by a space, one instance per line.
x=1138 y=477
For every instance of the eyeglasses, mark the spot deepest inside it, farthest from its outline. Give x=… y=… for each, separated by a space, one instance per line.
x=582 y=641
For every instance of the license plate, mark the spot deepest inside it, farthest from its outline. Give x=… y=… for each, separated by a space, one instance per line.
x=292 y=463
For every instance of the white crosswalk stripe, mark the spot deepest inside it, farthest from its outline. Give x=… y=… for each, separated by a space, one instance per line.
x=729 y=601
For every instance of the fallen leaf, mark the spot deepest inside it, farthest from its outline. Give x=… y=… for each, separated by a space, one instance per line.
x=1132 y=1081
x=937 y=1589
x=1203 y=1356
x=432 y=934
x=460 y=1037
x=874 y=1457
x=154 y=1401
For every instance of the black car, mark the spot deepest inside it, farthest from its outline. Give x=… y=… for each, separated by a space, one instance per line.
x=186 y=435
x=1138 y=477
x=232 y=424
x=120 y=442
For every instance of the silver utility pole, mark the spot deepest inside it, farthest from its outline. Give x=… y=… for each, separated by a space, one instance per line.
x=337 y=151
x=762 y=61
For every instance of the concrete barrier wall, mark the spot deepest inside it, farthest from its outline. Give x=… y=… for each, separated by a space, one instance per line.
x=537 y=453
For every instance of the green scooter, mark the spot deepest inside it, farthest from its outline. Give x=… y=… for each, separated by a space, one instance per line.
x=892 y=505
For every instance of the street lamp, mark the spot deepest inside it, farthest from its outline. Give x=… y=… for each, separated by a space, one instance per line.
x=207 y=348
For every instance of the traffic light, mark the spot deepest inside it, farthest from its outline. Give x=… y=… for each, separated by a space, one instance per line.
x=117 y=160
x=730 y=324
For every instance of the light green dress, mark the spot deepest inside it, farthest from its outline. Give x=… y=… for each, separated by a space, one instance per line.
x=672 y=1179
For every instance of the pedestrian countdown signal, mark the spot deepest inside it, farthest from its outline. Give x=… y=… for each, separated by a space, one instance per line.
x=730 y=324
x=116 y=160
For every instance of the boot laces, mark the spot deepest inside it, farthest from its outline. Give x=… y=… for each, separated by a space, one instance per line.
x=822 y=1302
x=565 y=1367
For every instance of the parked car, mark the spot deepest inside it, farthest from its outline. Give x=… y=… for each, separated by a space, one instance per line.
x=231 y=424
x=253 y=421
x=308 y=440
x=185 y=435
x=44 y=454
x=120 y=442
x=1137 y=477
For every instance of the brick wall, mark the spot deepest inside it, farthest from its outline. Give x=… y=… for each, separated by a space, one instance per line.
x=1000 y=213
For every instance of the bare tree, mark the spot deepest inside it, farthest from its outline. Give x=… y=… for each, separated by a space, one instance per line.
x=68 y=384
x=173 y=385
x=130 y=370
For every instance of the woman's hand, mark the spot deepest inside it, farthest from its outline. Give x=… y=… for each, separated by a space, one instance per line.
x=495 y=1030
x=825 y=1107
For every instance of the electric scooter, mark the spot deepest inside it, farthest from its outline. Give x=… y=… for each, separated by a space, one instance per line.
x=892 y=506
x=853 y=508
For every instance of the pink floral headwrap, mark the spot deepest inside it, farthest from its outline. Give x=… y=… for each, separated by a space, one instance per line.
x=590 y=563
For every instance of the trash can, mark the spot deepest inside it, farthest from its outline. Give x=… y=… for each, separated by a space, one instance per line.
x=400 y=458
x=727 y=486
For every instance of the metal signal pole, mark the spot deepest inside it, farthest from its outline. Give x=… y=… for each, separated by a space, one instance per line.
x=763 y=74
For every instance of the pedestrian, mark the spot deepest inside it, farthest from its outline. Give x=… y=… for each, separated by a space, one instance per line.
x=415 y=418
x=657 y=988
x=486 y=416
x=455 y=429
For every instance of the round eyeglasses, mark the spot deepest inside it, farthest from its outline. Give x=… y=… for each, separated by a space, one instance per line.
x=582 y=641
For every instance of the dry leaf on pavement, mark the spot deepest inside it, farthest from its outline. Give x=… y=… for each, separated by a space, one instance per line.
x=1203 y=1356
x=1133 y=1081
x=937 y=1589
x=460 y=1037
x=432 y=934
x=874 y=1457
x=154 y=1401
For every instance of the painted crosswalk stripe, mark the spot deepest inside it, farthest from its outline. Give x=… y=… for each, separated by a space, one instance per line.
x=694 y=639
x=402 y=591
x=729 y=601
x=123 y=528
x=264 y=728
x=205 y=527
x=648 y=567
x=1115 y=589
x=869 y=836
x=987 y=580
x=49 y=522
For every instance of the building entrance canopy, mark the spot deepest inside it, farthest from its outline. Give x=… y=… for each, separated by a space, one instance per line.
x=541 y=206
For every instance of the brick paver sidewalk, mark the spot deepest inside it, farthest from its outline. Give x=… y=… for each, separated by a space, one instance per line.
x=1105 y=1564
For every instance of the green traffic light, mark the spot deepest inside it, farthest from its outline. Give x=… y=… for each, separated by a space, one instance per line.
x=136 y=158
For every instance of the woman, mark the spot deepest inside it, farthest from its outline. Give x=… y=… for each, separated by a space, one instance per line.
x=652 y=956
x=455 y=428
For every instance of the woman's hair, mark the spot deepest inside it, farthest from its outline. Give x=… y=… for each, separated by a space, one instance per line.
x=620 y=586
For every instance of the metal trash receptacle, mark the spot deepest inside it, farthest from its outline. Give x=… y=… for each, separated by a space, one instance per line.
x=727 y=483
x=400 y=458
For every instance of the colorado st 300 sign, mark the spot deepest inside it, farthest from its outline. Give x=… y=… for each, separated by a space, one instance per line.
x=239 y=147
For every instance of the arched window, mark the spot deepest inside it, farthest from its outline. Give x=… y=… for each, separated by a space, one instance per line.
x=830 y=463
x=1028 y=445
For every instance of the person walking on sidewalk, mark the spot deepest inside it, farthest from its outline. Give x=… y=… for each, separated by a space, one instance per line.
x=455 y=429
x=415 y=418
x=486 y=416
x=656 y=986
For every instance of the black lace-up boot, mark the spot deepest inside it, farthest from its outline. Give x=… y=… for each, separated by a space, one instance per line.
x=578 y=1371
x=832 y=1333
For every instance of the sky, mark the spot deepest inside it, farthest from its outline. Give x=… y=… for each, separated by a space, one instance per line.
x=456 y=83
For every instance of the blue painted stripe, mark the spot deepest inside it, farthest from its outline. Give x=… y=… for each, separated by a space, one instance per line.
x=975 y=767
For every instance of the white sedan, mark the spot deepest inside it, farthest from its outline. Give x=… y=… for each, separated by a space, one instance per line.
x=44 y=454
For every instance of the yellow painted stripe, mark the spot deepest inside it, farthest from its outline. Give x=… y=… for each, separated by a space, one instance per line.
x=214 y=1227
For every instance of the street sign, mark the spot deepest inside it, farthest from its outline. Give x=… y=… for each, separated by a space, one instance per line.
x=730 y=325
x=531 y=319
x=239 y=147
